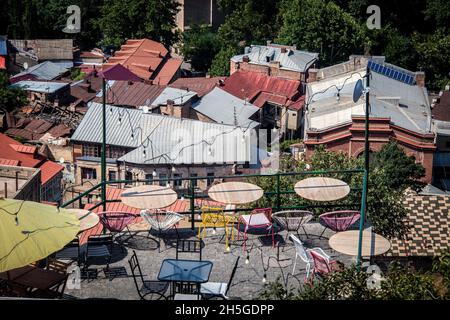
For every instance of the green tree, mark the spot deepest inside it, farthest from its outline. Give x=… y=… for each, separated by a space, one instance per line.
x=323 y=27
x=385 y=209
x=200 y=45
x=434 y=57
x=10 y=98
x=154 y=19
x=247 y=22
x=220 y=65
x=399 y=283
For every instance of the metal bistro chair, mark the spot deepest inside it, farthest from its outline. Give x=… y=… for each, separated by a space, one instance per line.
x=161 y=221
x=71 y=252
x=339 y=221
x=99 y=246
x=260 y=218
x=147 y=287
x=218 y=289
x=117 y=222
x=213 y=217
x=323 y=265
x=189 y=246
x=293 y=220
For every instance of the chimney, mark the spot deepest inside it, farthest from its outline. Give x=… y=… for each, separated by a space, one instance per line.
x=312 y=75
x=245 y=59
x=283 y=50
x=420 y=78
x=171 y=107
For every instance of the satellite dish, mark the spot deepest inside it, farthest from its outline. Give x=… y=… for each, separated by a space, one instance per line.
x=25 y=65
x=358 y=91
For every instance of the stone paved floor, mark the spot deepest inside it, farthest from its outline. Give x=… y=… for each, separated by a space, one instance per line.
x=247 y=283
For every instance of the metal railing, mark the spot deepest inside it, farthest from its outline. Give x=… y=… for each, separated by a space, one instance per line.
x=274 y=196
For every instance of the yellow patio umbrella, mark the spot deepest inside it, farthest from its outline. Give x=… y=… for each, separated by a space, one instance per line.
x=31 y=231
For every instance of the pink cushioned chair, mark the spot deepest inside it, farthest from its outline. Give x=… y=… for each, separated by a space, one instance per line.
x=257 y=219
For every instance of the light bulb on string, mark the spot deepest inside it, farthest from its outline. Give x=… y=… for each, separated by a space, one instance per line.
x=174 y=169
x=120 y=121
x=154 y=173
x=132 y=136
x=144 y=154
x=228 y=249
x=338 y=96
x=247 y=260
x=110 y=111
x=214 y=230
x=264 y=279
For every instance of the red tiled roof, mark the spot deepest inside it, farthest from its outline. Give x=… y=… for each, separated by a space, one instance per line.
x=12 y=151
x=135 y=94
x=441 y=111
x=168 y=71
x=141 y=56
x=8 y=162
x=49 y=169
x=259 y=88
x=23 y=149
x=200 y=85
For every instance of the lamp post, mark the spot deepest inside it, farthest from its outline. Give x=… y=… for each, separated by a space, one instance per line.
x=103 y=159
x=366 y=169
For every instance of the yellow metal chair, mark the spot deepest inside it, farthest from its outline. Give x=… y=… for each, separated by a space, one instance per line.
x=213 y=217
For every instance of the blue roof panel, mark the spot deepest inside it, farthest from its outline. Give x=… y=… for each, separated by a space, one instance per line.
x=3 y=46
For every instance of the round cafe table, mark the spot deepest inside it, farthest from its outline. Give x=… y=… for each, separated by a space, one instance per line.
x=235 y=192
x=347 y=243
x=322 y=189
x=149 y=197
x=88 y=219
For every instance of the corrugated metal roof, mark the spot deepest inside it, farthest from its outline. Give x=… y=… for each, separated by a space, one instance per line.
x=179 y=96
x=259 y=88
x=222 y=107
x=200 y=85
x=166 y=139
x=135 y=94
x=43 y=71
x=40 y=86
x=294 y=60
x=407 y=106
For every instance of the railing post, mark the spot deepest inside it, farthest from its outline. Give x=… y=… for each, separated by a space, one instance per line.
x=278 y=192
x=192 y=204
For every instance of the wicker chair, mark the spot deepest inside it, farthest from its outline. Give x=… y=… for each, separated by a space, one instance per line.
x=339 y=221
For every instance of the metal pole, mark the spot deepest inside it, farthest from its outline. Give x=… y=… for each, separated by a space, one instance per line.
x=103 y=161
x=278 y=193
x=192 y=204
x=366 y=170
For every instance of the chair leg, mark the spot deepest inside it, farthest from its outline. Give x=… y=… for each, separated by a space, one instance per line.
x=295 y=263
x=323 y=231
x=306 y=233
x=245 y=239
x=273 y=236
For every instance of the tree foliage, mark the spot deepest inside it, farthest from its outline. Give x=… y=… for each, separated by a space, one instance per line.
x=399 y=283
x=392 y=173
x=154 y=19
x=323 y=27
x=10 y=98
x=200 y=46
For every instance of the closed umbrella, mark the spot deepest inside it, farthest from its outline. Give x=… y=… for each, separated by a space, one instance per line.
x=31 y=231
